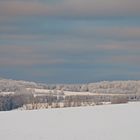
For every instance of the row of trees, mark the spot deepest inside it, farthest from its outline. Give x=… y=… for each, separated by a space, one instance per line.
x=122 y=92
x=114 y=87
x=9 y=102
x=119 y=87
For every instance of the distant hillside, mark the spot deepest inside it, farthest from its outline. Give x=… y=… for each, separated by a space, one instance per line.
x=106 y=87
x=31 y=95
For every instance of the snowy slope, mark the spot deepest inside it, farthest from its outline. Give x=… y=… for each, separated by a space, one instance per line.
x=110 y=122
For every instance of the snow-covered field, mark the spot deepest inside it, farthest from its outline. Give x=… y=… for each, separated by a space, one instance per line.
x=108 y=122
x=66 y=93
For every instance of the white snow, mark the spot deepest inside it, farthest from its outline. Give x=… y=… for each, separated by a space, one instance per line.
x=107 y=122
x=69 y=93
x=42 y=90
x=6 y=93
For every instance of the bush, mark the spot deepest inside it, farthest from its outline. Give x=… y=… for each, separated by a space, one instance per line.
x=119 y=100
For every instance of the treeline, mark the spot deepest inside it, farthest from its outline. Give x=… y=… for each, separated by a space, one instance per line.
x=10 y=102
x=15 y=86
x=14 y=94
x=74 y=101
x=105 y=87
x=30 y=101
x=77 y=100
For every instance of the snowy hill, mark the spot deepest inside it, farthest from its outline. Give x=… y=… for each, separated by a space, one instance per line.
x=104 y=87
x=110 y=122
x=30 y=95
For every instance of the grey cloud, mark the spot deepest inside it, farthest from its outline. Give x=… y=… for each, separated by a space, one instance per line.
x=73 y=8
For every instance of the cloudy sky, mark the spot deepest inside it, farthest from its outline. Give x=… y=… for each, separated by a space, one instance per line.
x=70 y=41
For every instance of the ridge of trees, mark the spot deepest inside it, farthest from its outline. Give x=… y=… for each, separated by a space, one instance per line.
x=14 y=94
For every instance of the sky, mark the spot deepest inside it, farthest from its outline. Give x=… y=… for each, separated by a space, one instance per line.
x=70 y=41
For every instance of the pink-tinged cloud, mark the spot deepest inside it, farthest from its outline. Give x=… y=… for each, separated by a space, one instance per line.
x=121 y=59
x=122 y=32
x=72 y=8
x=34 y=37
x=28 y=61
x=119 y=46
x=15 y=8
x=25 y=56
